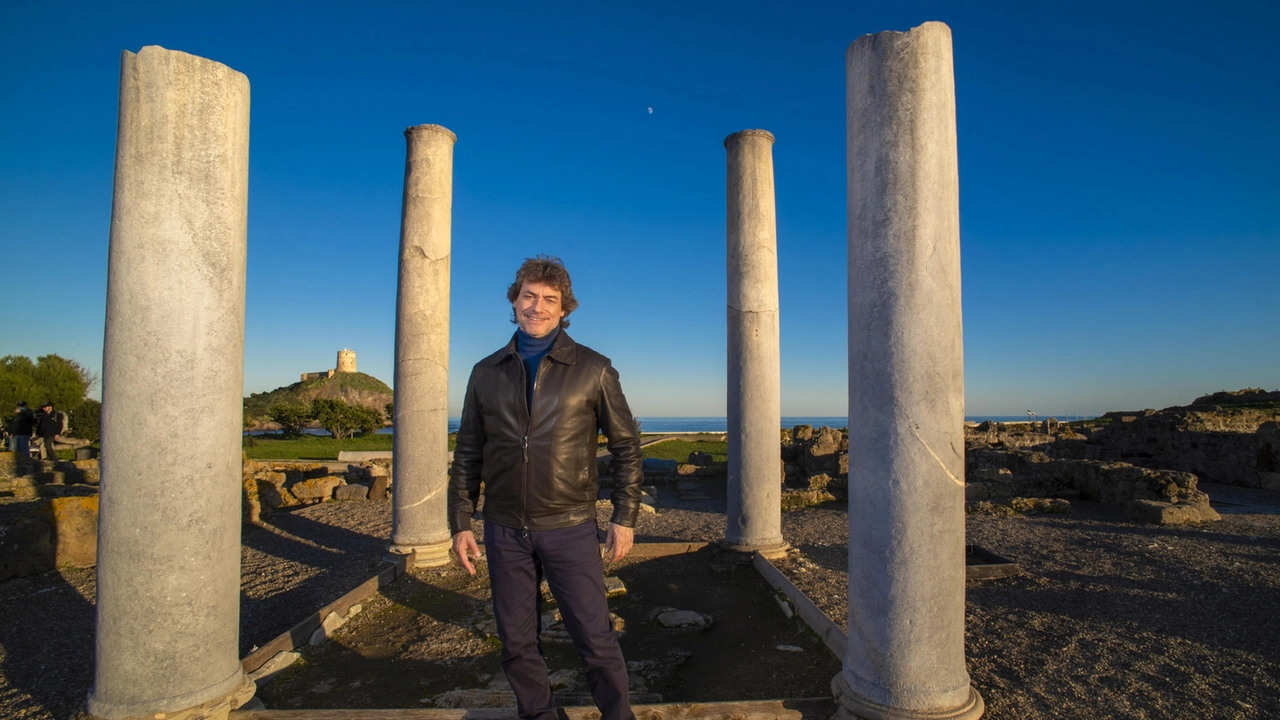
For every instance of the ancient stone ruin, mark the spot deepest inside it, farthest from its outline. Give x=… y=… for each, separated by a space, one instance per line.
x=168 y=568
x=753 y=522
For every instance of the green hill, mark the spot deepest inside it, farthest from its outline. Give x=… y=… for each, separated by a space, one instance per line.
x=353 y=388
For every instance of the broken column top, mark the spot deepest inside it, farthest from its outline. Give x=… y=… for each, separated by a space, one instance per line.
x=748 y=133
x=150 y=54
x=933 y=27
x=431 y=128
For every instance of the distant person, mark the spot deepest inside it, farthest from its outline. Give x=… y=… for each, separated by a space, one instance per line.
x=528 y=432
x=49 y=429
x=20 y=428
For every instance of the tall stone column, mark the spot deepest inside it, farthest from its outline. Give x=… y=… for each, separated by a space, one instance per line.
x=421 y=454
x=168 y=605
x=754 y=520
x=905 y=656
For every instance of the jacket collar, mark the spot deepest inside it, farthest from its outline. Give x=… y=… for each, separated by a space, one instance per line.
x=564 y=349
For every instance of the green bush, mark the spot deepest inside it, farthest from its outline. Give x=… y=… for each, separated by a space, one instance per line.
x=291 y=418
x=50 y=377
x=86 y=420
x=343 y=420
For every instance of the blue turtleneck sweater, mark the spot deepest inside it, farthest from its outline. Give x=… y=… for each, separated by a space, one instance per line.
x=532 y=350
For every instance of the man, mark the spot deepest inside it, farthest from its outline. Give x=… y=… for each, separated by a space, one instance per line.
x=48 y=427
x=24 y=422
x=529 y=433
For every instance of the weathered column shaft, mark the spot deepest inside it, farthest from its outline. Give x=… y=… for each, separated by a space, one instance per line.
x=168 y=605
x=754 y=520
x=421 y=454
x=906 y=383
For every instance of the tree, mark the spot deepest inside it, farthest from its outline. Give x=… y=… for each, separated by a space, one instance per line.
x=52 y=377
x=343 y=420
x=290 y=418
x=86 y=420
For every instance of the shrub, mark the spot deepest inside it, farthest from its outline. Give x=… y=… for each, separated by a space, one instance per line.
x=343 y=420
x=86 y=420
x=290 y=418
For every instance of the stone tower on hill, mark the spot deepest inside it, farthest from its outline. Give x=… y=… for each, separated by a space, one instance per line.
x=346 y=361
x=346 y=364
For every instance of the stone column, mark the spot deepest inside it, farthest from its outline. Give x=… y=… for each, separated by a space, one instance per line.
x=905 y=657
x=754 y=520
x=168 y=605
x=421 y=456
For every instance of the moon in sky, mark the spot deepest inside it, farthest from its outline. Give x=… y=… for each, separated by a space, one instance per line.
x=650 y=111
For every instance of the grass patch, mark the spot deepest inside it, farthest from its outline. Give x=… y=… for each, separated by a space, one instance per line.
x=312 y=447
x=679 y=450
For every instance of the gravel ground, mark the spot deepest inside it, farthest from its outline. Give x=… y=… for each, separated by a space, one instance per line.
x=1109 y=620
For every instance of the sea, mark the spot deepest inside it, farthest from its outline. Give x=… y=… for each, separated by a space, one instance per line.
x=693 y=425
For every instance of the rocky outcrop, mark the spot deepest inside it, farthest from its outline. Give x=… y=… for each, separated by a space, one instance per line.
x=353 y=388
x=1220 y=445
x=807 y=452
x=271 y=486
x=1228 y=438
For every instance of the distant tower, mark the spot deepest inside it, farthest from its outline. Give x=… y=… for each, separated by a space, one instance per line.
x=346 y=361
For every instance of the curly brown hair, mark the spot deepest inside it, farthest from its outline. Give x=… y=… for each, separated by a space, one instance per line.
x=546 y=270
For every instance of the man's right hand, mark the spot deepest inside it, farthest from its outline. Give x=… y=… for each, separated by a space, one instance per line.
x=465 y=548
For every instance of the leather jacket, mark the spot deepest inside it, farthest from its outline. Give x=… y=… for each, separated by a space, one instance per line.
x=539 y=470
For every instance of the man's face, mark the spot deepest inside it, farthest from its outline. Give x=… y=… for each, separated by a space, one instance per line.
x=538 y=309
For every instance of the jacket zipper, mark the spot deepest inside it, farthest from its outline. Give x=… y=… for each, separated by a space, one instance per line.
x=524 y=445
x=527 y=429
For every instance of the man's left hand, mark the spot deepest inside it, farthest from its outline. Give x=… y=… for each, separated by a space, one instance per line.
x=618 y=541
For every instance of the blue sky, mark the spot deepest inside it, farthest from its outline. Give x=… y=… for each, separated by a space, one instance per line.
x=1119 y=173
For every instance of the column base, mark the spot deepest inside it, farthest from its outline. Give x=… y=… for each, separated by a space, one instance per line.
x=432 y=555
x=218 y=708
x=771 y=551
x=852 y=706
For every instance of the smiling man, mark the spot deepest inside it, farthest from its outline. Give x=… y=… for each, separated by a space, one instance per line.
x=529 y=426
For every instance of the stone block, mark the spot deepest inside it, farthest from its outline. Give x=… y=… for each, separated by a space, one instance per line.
x=1269 y=480
x=669 y=617
x=8 y=464
x=328 y=627
x=353 y=491
x=697 y=457
x=614 y=587
x=271 y=495
x=825 y=442
x=819 y=481
x=52 y=477
x=1163 y=513
x=75 y=530
x=315 y=490
x=86 y=471
x=378 y=490
x=797 y=499
x=20 y=488
x=278 y=663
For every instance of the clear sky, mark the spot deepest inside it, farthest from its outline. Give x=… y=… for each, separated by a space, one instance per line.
x=1119 y=174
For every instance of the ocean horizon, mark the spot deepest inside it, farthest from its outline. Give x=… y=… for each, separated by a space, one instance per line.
x=712 y=424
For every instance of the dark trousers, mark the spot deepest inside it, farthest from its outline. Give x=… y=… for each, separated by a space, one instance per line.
x=570 y=559
x=46 y=448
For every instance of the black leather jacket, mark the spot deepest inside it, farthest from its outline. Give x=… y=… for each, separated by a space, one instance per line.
x=539 y=472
